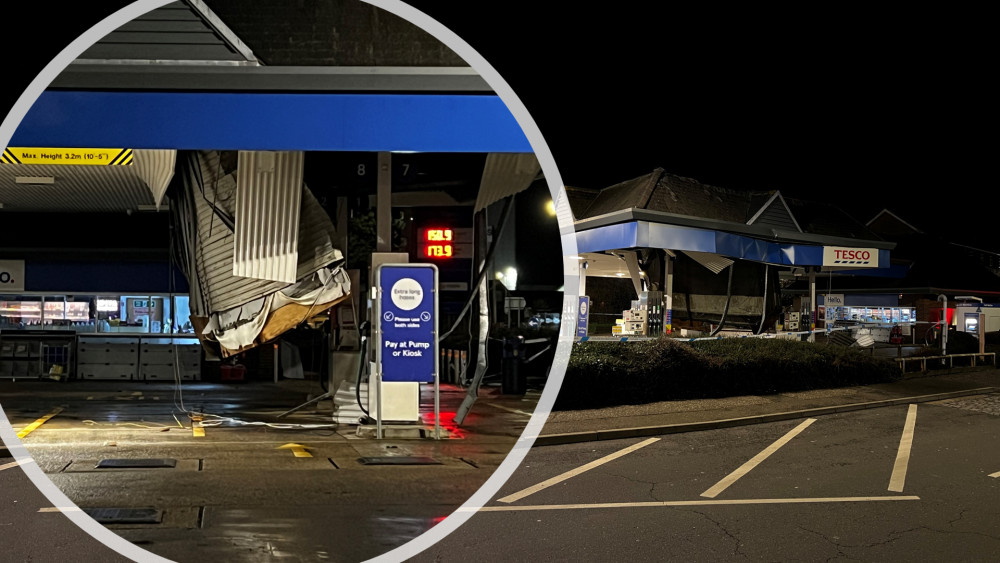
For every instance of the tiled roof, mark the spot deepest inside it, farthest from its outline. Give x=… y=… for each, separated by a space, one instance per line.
x=661 y=191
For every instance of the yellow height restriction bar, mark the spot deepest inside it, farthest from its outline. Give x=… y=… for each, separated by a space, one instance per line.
x=86 y=157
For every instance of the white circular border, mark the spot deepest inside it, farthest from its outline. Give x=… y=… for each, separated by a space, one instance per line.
x=567 y=235
x=406 y=284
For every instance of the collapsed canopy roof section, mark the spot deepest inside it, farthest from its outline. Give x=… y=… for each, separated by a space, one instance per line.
x=234 y=311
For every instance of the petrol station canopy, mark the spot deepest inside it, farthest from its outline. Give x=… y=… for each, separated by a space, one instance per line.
x=665 y=211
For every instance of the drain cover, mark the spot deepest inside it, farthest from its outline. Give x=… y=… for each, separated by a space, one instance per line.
x=127 y=463
x=399 y=460
x=125 y=515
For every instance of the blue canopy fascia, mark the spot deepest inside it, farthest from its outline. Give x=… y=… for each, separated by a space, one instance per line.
x=271 y=121
x=643 y=234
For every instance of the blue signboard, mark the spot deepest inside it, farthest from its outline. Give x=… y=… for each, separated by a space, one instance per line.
x=408 y=314
x=583 y=315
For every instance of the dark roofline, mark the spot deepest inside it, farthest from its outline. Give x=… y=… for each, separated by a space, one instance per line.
x=761 y=232
x=234 y=78
x=894 y=216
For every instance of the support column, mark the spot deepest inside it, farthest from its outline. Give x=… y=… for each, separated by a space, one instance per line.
x=632 y=262
x=668 y=292
x=812 y=303
x=483 y=317
x=383 y=215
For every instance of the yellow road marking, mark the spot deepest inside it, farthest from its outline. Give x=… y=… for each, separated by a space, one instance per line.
x=903 y=455
x=197 y=430
x=995 y=475
x=297 y=449
x=31 y=427
x=59 y=509
x=685 y=503
x=755 y=461
x=574 y=472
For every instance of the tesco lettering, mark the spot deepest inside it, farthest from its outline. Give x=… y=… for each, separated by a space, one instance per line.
x=852 y=254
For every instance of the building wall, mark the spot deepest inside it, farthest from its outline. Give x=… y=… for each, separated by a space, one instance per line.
x=332 y=32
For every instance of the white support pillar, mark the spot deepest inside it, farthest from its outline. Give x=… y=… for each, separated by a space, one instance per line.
x=812 y=304
x=383 y=215
x=583 y=278
x=668 y=293
x=632 y=262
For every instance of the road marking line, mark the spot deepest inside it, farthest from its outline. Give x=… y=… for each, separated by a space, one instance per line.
x=13 y=464
x=31 y=427
x=574 y=472
x=197 y=430
x=686 y=503
x=755 y=460
x=903 y=455
x=59 y=509
x=994 y=475
x=508 y=409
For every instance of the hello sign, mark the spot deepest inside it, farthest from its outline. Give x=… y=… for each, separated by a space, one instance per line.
x=11 y=275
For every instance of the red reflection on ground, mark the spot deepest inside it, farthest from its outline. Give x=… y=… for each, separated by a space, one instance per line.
x=449 y=429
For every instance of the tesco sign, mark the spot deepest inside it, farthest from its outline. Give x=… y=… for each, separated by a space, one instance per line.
x=843 y=256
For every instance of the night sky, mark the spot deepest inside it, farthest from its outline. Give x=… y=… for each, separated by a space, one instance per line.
x=868 y=109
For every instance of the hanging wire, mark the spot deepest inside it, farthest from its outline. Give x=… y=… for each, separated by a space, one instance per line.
x=729 y=296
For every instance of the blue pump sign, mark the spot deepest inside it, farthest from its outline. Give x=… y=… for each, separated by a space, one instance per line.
x=583 y=316
x=408 y=322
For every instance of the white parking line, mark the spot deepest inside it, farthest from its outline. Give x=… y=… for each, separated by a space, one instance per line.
x=686 y=503
x=508 y=409
x=903 y=455
x=574 y=472
x=59 y=509
x=755 y=461
x=13 y=464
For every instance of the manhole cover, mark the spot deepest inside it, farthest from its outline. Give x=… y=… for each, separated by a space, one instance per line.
x=125 y=515
x=129 y=463
x=399 y=460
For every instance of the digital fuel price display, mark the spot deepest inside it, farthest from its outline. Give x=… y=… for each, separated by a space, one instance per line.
x=440 y=243
x=437 y=243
